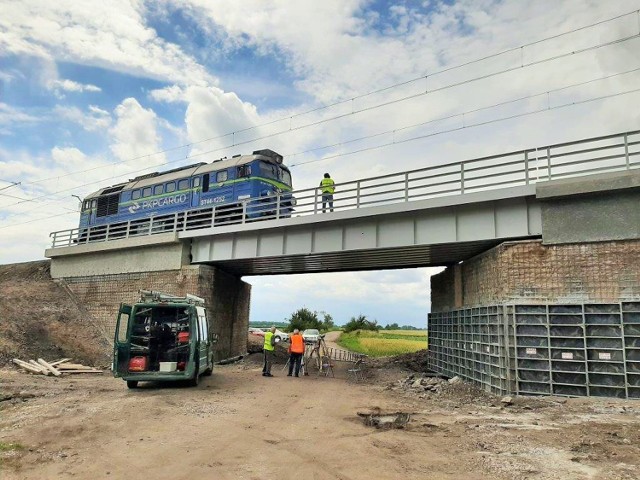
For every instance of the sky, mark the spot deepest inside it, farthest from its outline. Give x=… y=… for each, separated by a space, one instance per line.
x=93 y=93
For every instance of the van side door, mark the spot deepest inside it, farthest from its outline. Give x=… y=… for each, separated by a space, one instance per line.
x=204 y=344
x=121 y=344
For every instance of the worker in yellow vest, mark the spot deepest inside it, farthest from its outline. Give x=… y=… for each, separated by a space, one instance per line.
x=268 y=349
x=327 y=185
x=296 y=351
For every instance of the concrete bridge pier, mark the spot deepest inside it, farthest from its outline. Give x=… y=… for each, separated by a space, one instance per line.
x=100 y=278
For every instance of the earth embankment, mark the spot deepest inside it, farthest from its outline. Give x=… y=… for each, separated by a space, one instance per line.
x=40 y=318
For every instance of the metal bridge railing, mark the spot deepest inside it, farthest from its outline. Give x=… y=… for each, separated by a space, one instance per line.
x=610 y=153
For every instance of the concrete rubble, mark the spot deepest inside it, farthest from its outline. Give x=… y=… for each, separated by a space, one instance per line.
x=418 y=383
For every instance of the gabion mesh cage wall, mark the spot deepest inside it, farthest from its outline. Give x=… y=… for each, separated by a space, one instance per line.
x=573 y=350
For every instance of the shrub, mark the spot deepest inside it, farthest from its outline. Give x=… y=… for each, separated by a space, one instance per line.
x=361 y=323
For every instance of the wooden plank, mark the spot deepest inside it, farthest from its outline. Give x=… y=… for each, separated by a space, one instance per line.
x=58 y=362
x=49 y=367
x=72 y=366
x=82 y=371
x=27 y=366
x=35 y=364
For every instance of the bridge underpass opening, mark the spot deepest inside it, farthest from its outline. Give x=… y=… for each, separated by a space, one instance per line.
x=400 y=296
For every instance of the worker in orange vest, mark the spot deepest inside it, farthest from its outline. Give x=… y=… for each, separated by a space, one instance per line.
x=296 y=351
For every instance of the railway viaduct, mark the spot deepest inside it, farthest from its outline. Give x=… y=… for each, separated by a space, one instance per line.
x=553 y=225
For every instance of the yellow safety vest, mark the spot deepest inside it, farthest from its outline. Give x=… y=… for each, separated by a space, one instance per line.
x=267 y=341
x=327 y=185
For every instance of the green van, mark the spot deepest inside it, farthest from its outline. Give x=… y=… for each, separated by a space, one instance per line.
x=163 y=338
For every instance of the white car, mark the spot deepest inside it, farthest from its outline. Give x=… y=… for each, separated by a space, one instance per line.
x=281 y=336
x=311 y=335
x=256 y=331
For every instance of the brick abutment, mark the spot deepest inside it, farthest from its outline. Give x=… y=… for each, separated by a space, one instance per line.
x=226 y=296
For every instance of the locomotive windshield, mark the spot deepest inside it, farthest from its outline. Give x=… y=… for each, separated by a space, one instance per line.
x=268 y=170
x=276 y=172
x=286 y=176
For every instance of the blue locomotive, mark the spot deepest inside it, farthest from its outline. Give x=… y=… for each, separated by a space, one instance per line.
x=242 y=188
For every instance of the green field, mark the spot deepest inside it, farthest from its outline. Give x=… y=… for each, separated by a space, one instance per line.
x=384 y=342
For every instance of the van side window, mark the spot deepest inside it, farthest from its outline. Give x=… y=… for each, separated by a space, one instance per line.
x=158 y=189
x=170 y=187
x=183 y=184
x=135 y=195
x=203 y=327
x=122 y=327
x=146 y=192
x=221 y=176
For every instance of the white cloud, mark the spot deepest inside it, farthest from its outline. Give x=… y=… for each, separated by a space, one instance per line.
x=109 y=35
x=171 y=94
x=69 y=158
x=95 y=119
x=10 y=115
x=71 y=86
x=212 y=114
x=135 y=136
x=97 y=110
x=27 y=219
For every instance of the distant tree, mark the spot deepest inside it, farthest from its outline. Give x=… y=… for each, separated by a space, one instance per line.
x=327 y=322
x=408 y=327
x=392 y=326
x=265 y=324
x=361 y=323
x=302 y=319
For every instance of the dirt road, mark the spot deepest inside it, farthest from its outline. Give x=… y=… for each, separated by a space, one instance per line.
x=240 y=425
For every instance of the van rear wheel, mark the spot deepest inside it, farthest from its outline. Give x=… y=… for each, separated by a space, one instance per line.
x=195 y=380
x=132 y=383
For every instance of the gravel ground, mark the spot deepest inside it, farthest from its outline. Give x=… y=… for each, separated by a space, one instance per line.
x=238 y=424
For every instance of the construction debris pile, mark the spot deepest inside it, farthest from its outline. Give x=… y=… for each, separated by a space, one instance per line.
x=421 y=384
x=57 y=368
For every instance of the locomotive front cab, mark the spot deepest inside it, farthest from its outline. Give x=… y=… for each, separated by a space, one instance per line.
x=273 y=185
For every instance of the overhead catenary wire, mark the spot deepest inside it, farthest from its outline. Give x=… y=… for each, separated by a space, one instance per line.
x=456 y=115
x=367 y=149
x=479 y=124
x=233 y=134
x=13 y=184
x=459 y=114
x=99 y=181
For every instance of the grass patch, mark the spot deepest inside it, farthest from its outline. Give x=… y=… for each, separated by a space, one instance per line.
x=10 y=446
x=417 y=335
x=405 y=333
x=383 y=343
